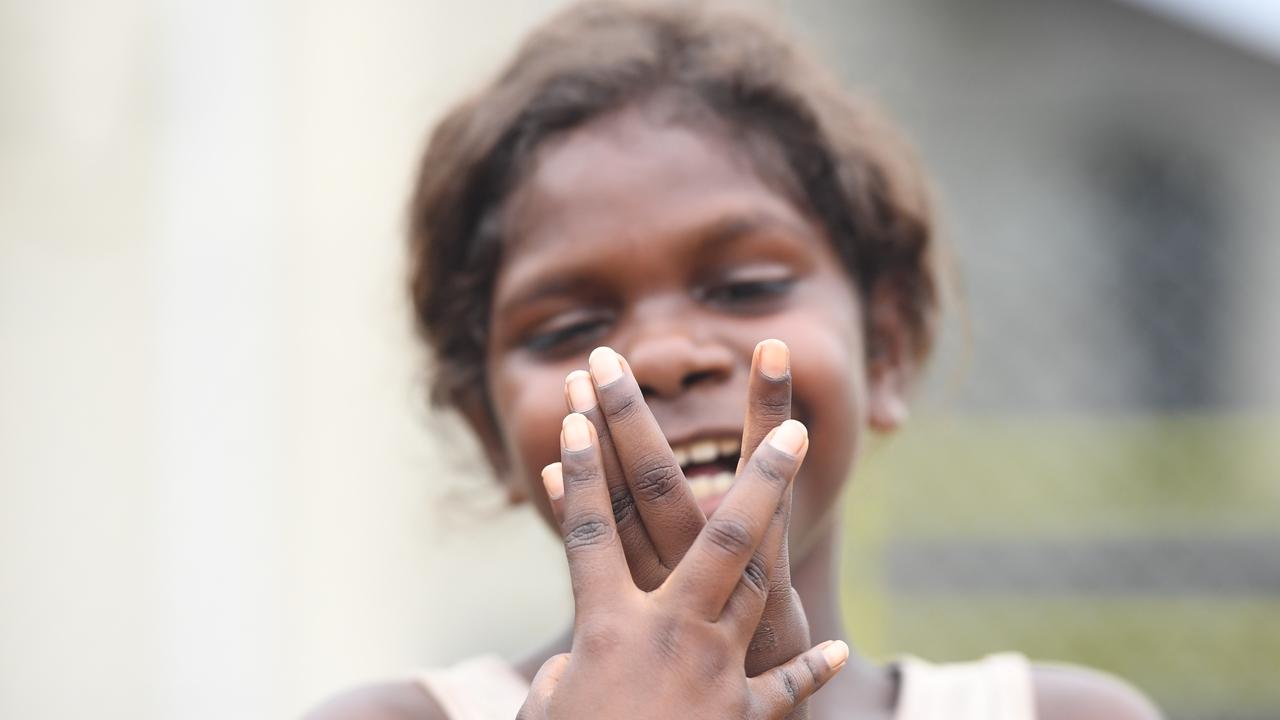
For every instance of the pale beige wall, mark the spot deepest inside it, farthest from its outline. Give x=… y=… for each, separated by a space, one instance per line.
x=219 y=494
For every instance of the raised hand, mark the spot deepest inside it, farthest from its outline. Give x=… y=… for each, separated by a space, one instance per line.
x=657 y=516
x=679 y=649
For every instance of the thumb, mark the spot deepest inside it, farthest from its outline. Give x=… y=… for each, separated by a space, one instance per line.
x=780 y=690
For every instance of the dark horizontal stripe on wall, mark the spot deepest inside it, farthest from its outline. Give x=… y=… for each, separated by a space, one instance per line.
x=1219 y=565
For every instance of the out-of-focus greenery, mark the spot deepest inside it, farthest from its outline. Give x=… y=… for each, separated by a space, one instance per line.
x=1211 y=654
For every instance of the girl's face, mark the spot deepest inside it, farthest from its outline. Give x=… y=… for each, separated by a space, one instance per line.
x=663 y=243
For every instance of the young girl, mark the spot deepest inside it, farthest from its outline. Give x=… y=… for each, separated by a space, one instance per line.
x=677 y=182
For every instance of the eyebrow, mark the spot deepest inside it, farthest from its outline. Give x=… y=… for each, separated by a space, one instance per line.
x=540 y=290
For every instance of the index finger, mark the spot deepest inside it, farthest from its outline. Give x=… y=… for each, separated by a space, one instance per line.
x=664 y=499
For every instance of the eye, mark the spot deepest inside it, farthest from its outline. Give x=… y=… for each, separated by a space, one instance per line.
x=747 y=293
x=566 y=336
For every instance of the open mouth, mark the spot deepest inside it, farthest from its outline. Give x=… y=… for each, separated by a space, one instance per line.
x=709 y=464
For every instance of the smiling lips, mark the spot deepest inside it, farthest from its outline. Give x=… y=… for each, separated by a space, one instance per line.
x=709 y=464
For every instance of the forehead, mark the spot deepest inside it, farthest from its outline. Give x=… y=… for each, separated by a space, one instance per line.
x=632 y=178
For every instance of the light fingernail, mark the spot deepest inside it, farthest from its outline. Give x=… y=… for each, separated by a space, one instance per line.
x=789 y=437
x=837 y=653
x=582 y=395
x=604 y=365
x=553 y=480
x=774 y=357
x=576 y=432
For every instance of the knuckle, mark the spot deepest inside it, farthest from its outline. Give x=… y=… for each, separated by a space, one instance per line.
x=730 y=534
x=596 y=639
x=792 y=685
x=655 y=478
x=579 y=470
x=773 y=406
x=588 y=531
x=773 y=467
x=755 y=574
x=622 y=406
x=623 y=504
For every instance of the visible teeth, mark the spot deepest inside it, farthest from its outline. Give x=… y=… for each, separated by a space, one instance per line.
x=701 y=489
x=711 y=485
x=703 y=451
x=682 y=456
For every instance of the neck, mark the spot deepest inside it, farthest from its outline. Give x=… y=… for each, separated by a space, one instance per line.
x=862 y=685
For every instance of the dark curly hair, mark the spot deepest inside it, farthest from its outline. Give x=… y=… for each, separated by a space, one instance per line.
x=849 y=171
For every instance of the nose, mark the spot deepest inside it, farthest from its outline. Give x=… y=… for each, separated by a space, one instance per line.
x=668 y=361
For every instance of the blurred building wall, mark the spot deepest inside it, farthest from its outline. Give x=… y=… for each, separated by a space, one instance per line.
x=219 y=493
x=1107 y=178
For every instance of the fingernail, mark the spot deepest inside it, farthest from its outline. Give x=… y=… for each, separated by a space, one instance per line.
x=604 y=365
x=553 y=480
x=789 y=437
x=836 y=652
x=576 y=432
x=773 y=358
x=582 y=396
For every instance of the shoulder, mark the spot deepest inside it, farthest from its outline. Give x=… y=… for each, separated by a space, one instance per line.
x=398 y=700
x=1068 y=692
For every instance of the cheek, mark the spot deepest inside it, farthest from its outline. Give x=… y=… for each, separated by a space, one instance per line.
x=829 y=393
x=827 y=362
x=529 y=405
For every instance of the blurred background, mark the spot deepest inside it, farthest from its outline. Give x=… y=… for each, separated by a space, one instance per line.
x=221 y=494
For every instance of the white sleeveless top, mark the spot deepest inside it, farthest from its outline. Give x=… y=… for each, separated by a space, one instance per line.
x=997 y=687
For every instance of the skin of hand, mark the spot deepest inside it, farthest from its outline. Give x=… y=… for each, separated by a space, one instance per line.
x=677 y=650
x=656 y=514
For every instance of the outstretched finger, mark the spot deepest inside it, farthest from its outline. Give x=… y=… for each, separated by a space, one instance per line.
x=597 y=567
x=646 y=567
x=778 y=691
x=729 y=543
x=664 y=499
x=769 y=405
x=768 y=395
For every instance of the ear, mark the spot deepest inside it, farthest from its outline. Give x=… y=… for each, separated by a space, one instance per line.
x=890 y=364
x=477 y=412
